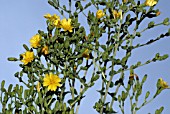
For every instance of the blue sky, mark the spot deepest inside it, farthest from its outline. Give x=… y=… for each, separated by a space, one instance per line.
x=21 y=19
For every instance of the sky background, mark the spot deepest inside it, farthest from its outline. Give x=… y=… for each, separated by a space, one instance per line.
x=21 y=19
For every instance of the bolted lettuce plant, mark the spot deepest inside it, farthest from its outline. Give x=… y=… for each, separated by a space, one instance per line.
x=60 y=65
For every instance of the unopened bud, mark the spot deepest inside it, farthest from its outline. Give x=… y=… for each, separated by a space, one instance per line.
x=12 y=59
x=158 y=13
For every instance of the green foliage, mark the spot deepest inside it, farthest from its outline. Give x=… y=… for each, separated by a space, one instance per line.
x=81 y=58
x=159 y=111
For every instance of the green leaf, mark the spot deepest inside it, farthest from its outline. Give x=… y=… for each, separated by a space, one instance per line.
x=124 y=95
x=103 y=47
x=21 y=89
x=94 y=78
x=87 y=5
x=26 y=92
x=78 y=6
x=80 y=61
x=138 y=63
x=119 y=98
x=2 y=84
x=163 y=57
x=10 y=88
x=128 y=17
x=166 y=21
x=64 y=7
x=159 y=111
x=16 y=74
x=105 y=56
x=66 y=44
x=147 y=95
x=25 y=47
x=151 y=25
x=144 y=79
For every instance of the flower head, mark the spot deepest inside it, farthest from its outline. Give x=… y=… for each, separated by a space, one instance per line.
x=27 y=57
x=150 y=2
x=54 y=19
x=100 y=14
x=45 y=50
x=52 y=81
x=163 y=84
x=86 y=54
x=66 y=25
x=116 y=14
x=35 y=41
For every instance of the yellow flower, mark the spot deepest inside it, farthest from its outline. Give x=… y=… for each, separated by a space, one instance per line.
x=100 y=14
x=86 y=54
x=52 y=81
x=47 y=16
x=57 y=23
x=35 y=41
x=27 y=57
x=66 y=25
x=45 y=50
x=54 y=19
x=163 y=84
x=150 y=2
x=116 y=14
x=38 y=86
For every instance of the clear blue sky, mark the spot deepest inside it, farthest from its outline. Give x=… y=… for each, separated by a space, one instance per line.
x=21 y=19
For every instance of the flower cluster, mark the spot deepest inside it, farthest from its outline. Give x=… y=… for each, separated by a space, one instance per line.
x=116 y=14
x=38 y=42
x=55 y=21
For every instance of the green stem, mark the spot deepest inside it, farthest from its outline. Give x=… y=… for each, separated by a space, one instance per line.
x=117 y=89
x=79 y=97
x=111 y=77
x=50 y=100
x=148 y=28
x=108 y=84
x=146 y=102
x=78 y=105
